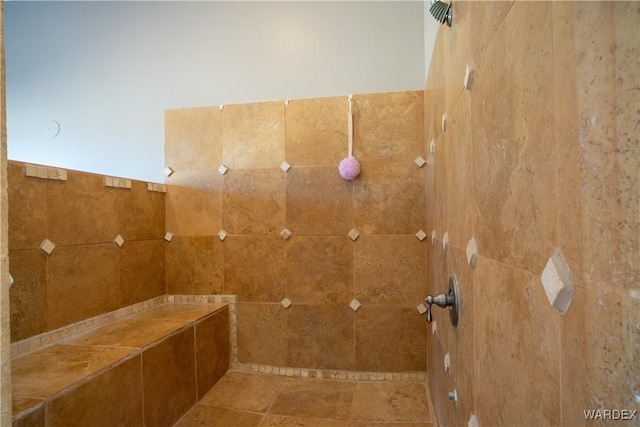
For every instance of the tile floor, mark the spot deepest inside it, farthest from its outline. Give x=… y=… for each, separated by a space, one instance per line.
x=242 y=399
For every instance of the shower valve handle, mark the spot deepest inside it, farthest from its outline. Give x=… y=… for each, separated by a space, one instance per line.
x=442 y=300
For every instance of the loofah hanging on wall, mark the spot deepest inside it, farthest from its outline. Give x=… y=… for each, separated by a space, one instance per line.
x=349 y=167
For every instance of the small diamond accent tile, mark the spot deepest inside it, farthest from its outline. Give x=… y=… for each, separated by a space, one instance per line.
x=472 y=252
x=445 y=241
x=353 y=234
x=558 y=282
x=285 y=234
x=285 y=167
x=47 y=246
x=421 y=309
x=355 y=304
x=168 y=171
x=420 y=161
x=468 y=75
x=286 y=303
x=222 y=169
x=421 y=235
x=168 y=236
x=222 y=235
x=118 y=241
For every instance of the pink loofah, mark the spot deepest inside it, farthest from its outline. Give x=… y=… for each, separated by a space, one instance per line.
x=349 y=168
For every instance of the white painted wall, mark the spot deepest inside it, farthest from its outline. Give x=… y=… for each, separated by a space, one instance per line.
x=106 y=71
x=431 y=26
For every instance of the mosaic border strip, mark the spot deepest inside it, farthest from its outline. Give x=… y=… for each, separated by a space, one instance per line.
x=330 y=374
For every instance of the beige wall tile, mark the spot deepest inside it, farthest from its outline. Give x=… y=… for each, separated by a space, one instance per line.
x=320 y=337
x=457 y=175
x=514 y=153
x=388 y=126
x=28 y=293
x=142 y=271
x=253 y=135
x=81 y=210
x=599 y=362
x=316 y=131
x=487 y=19
x=193 y=138
x=390 y=339
x=28 y=213
x=319 y=201
x=608 y=141
x=569 y=154
x=254 y=268
x=261 y=337
x=169 y=379
x=254 y=201
x=457 y=47
x=389 y=199
x=83 y=282
x=114 y=397
x=518 y=348
x=390 y=270
x=194 y=265
x=461 y=346
x=141 y=213
x=319 y=269
x=195 y=207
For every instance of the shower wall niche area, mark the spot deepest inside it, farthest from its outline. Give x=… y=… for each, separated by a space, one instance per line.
x=258 y=209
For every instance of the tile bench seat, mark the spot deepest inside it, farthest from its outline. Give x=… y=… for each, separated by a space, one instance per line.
x=145 y=369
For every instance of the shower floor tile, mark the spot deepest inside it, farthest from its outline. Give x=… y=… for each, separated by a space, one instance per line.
x=252 y=399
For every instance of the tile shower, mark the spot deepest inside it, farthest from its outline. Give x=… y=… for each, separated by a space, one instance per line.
x=228 y=210
x=540 y=152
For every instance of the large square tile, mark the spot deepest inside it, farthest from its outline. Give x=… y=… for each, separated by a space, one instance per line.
x=254 y=268
x=193 y=138
x=253 y=135
x=83 y=282
x=389 y=199
x=320 y=269
x=254 y=201
x=319 y=201
x=316 y=131
x=388 y=127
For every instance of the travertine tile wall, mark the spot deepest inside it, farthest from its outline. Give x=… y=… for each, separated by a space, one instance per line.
x=541 y=153
x=87 y=274
x=319 y=268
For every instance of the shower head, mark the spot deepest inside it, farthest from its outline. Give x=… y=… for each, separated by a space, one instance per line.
x=442 y=12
